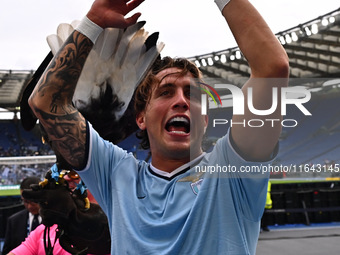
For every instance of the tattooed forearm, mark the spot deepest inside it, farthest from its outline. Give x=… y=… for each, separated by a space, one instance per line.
x=51 y=100
x=67 y=135
x=59 y=81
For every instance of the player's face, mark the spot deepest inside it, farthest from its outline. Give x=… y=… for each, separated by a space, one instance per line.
x=173 y=117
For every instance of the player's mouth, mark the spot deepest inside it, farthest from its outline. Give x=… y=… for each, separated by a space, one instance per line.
x=178 y=125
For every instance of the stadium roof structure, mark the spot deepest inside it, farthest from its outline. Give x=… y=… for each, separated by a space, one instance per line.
x=12 y=85
x=313 y=49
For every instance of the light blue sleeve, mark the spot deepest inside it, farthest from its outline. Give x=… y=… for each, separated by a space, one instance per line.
x=248 y=181
x=102 y=163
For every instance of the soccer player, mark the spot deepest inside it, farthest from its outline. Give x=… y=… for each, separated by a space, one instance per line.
x=165 y=207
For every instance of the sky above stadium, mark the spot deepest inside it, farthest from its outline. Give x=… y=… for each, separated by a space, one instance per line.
x=187 y=27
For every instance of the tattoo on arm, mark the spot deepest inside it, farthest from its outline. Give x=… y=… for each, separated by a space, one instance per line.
x=65 y=126
x=67 y=134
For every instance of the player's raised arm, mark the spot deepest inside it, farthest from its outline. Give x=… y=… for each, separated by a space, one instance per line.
x=269 y=68
x=51 y=100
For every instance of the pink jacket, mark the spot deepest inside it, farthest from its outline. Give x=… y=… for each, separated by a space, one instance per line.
x=34 y=243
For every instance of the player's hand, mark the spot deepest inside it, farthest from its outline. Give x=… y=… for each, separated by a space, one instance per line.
x=111 y=13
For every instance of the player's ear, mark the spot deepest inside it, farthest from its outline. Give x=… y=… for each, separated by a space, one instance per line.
x=140 y=120
x=206 y=121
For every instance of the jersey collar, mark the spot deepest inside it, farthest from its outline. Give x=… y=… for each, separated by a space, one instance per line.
x=177 y=171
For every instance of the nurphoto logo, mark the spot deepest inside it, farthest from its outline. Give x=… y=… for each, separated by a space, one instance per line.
x=204 y=97
x=297 y=96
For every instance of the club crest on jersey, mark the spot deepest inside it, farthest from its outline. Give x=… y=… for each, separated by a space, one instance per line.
x=195 y=186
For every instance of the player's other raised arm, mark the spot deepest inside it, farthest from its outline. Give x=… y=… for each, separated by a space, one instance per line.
x=269 y=68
